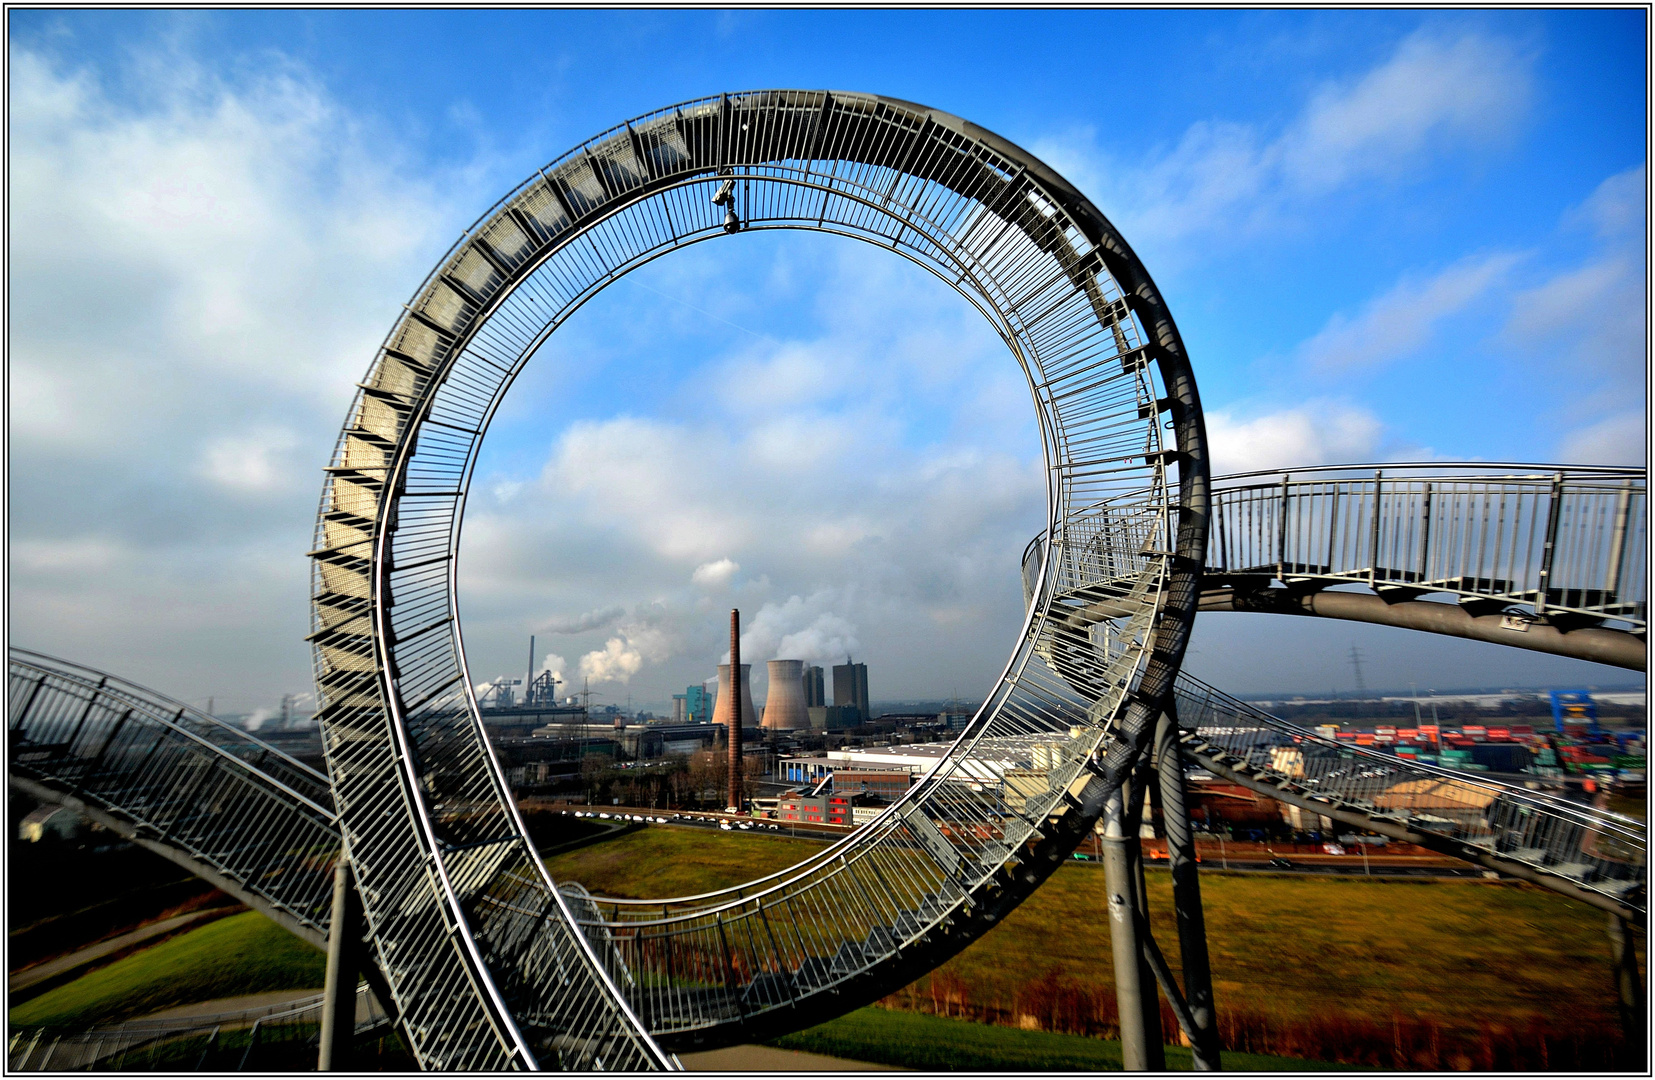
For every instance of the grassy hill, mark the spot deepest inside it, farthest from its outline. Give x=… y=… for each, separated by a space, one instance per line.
x=1395 y=971
x=241 y=954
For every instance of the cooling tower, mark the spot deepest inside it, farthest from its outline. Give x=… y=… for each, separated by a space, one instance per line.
x=784 y=708
x=721 y=707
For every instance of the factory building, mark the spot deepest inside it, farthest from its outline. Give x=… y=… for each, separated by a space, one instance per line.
x=850 y=686
x=784 y=705
x=833 y=717
x=815 y=688
x=693 y=706
x=827 y=809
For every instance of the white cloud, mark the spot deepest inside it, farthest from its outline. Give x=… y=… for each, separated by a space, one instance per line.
x=1593 y=313
x=81 y=555
x=1431 y=92
x=1621 y=439
x=798 y=628
x=1398 y=323
x=252 y=463
x=878 y=510
x=715 y=574
x=617 y=661
x=827 y=638
x=1616 y=210
x=598 y=619
x=200 y=265
x=1432 y=95
x=1584 y=328
x=1316 y=433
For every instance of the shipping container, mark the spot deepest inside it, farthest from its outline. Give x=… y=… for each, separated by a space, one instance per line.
x=1502 y=757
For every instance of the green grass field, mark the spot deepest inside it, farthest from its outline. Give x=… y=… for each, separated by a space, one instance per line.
x=661 y=862
x=938 y=1044
x=1464 y=952
x=1464 y=956
x=241 y=954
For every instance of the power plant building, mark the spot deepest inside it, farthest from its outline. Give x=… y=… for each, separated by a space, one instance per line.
x=721 y=707
x=833 y=717
x=850 y=686
x=784 y=706
x=815 y=688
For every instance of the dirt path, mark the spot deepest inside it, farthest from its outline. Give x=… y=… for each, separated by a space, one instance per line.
x=65 y=967
x=768 y=1059
x=232 y=1004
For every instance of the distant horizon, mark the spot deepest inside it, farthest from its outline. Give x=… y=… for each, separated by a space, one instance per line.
x=1371 y=694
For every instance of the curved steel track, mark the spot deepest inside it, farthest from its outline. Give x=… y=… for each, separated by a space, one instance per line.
x=451 y=887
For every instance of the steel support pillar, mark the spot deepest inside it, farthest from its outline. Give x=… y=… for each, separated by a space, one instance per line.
x=1186 y=895
x=1155 y=1036
x=1130 y=987
x=344 y=962
x=1629 y=985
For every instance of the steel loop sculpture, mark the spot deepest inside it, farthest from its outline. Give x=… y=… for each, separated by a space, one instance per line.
x=453 y=891
x=486 y=963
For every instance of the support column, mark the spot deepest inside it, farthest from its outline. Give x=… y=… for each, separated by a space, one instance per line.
x=1186 y=895
x=1123 y=934
x=1630 y=987
x=344 y=961
x=1154 y=1037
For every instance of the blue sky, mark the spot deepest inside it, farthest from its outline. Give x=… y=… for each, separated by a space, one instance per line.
x=1385 y=235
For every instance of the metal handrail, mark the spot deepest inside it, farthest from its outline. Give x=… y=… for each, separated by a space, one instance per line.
x=126 y=756
x=99 y=681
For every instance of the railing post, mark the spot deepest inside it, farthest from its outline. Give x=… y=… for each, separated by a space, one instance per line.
x=1332 y=524
x=18 y=723
x=1554 y=514
x=339 y=992
x=1123 y=934
x=1425 y=535
x=1373 y=531
x=1186 y=894
x=1617 y=544
x=1281 y=534
x=1223 y=540
x=1630 y=990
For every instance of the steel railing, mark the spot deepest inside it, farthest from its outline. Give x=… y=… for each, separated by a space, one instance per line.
x=281 y=1037
x=1556 y=538
x=1589 y=847
x=250 y=817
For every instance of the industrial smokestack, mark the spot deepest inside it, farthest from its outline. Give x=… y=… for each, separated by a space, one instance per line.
x=741 y=702
x=785 y=708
